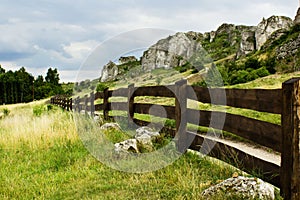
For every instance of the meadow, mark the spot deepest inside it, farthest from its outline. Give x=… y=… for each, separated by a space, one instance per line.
x=42 y=157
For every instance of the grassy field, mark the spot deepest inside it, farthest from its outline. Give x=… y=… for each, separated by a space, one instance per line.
x=42 y=157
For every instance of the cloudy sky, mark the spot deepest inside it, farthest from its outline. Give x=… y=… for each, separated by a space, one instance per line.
x=38 y=34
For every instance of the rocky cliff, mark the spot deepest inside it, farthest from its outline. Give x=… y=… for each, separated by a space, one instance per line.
x=268 y=26
x=109 y=72
x=171 y=52
x=228 y=39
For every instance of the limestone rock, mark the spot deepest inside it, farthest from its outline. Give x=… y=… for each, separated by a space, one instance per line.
x=248 y=41
x=109 y=72
x=297 y=18
x=127 y=146
x=171 y=52
x=124 y=60
x=268 y=26
x=145 y=136
x=107 y=126
x=146 y=131
x=288 y=49
x=246 y=187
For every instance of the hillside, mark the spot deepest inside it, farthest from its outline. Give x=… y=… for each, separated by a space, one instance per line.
x=239 y=53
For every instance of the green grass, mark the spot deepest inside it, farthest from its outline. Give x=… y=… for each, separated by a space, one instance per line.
x=42 y=157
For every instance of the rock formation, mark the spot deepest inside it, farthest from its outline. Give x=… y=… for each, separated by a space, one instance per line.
x=297 y=18
x=143 y=140
x=248 y=188
x=109 y=72
x=124 y=60
x=288 y=49
x=268 y=26
x=171 y=52
x=199 y=49
x=247 y=43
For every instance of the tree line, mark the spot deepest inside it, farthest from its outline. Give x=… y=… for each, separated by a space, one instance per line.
x=20 y=86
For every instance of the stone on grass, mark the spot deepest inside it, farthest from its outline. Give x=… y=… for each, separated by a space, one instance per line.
x=146 y=131
x=107 y=126
x=246 y=187
x=127 y=146
x=145 y=136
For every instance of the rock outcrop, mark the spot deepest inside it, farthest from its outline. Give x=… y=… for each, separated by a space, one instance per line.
x=109 y=72
x=247 y=188
x=171 y=52
x=199 y=49
x=288 y=49
x=228 y=39
x=127 y=146
x=248 y=42
x=143 y=141
x=297 y=18
x=125 y=60
x=268 y=26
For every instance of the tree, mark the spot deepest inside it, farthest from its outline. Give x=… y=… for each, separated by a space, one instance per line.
x=52 y=76
x=2 y=71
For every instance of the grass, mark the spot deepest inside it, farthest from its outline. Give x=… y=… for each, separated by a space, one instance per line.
x=270 y=82
x=42 y=157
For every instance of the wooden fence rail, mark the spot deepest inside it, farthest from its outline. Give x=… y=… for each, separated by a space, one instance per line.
x=282 y=138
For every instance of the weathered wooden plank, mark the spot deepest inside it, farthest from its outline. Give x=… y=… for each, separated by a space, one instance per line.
x=290 y=159
x=157 y=91
x=98 y=107
x=263 y=100
x=121 y=92
x=99 y=95
x=144 y=109
x=260 y=132
x=105 y=104
x=118 y=106
x=233 y=155
x=130 y=106
x=92 y=103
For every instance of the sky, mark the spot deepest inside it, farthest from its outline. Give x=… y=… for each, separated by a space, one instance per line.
x=62 y=34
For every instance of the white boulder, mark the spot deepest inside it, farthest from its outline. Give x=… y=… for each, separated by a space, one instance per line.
x=248 y=188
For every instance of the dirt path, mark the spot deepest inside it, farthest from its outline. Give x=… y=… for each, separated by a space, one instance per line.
x=264 y=154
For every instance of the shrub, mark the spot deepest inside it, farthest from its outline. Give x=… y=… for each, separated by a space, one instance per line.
x=5 y=111
x=38 y=110
x=261 y=72
x=101 y=87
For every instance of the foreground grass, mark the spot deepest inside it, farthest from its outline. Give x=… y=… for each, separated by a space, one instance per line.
x=41 y=157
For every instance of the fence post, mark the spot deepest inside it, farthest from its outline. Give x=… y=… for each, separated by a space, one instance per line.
x=76 y=106
x=77 y=103
x=92 y=105
x=130 y=100
x=86 y=100
x=105 y=104
x=64 y=103
x=70 y=104
x=290 y=163
x=180 y=115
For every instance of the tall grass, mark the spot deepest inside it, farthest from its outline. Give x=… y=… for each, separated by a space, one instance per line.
x=42 y=157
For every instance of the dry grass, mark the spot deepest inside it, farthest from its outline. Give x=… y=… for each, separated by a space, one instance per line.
x=21 y=125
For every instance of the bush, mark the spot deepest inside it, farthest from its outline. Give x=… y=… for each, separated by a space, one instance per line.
x=262 y=72
x=101 y=87
x=38 y=110
x=5 y=111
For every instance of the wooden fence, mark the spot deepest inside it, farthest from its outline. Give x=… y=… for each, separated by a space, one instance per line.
x=282 y=138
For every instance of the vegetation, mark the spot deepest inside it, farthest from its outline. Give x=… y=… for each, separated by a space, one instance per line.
x=42 y=157
x=20 y=86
